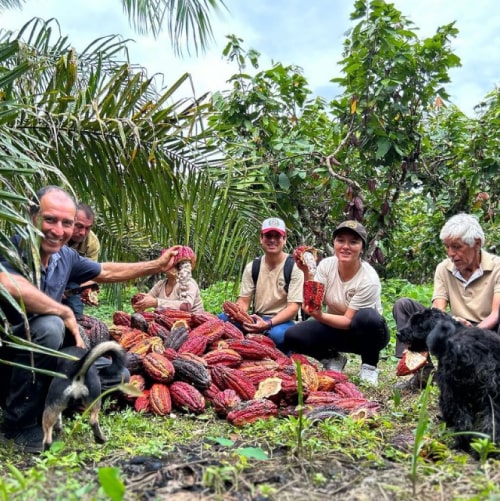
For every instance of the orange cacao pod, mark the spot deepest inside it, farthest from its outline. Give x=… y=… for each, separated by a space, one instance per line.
x=148 y=345
x=158 y=367
x=131 y=337
x=159 y=398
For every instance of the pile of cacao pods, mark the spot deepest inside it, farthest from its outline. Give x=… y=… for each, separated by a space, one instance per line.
x=187 y=361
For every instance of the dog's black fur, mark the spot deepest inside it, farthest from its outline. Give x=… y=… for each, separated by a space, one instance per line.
x=81 y=387
x=468 y=377
x=414 y=334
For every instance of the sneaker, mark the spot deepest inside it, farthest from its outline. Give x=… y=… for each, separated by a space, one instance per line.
x=417 y=382
x=334 y=364
x=369 y=374
x=28 y=439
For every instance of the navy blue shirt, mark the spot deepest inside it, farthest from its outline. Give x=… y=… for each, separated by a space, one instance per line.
x=64 y=266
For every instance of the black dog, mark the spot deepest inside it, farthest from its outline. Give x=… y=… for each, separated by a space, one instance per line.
x=468 y=377
x=420 y=324
x=81 y=387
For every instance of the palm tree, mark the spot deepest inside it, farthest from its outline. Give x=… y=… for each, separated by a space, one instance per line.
x=187 y=21
x=142 y=157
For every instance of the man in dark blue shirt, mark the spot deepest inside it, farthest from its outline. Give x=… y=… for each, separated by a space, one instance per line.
x=51 y=324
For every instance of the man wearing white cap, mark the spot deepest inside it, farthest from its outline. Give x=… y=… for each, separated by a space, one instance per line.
x=276 y=294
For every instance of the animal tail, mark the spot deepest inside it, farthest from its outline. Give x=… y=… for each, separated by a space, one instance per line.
x=111 y=348
x=438 y=337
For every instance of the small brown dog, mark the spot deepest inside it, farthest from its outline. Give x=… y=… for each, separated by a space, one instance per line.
x=81 y=387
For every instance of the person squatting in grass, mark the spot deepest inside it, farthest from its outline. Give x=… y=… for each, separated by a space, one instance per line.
x=275 y=303
x=466 y=283
x=51 y=324
x=353 y=320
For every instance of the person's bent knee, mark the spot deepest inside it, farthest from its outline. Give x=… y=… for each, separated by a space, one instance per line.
x=48 y=331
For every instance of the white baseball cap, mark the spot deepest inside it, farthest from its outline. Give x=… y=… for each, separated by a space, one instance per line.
x=274 y=224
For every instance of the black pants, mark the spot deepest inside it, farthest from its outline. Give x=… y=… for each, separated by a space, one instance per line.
x=402 y=310
x=25 y=390
x=367 y=336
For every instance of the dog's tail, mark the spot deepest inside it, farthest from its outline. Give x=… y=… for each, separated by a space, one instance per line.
x=439 y=336
x=111 y=348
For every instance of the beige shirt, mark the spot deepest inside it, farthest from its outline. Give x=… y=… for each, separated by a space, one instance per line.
x=270 y=296
x=174 y=300
x=89 y=247
x=361 y=291
x=471 y=301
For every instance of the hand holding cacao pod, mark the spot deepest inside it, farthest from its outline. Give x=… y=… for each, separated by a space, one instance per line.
x=167 y=260
x=90 y=297
x=306 y=257
x=257 y=325
x=141 y=301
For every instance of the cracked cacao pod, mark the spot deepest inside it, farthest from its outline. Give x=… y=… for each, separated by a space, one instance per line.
x=131 y=337
x=148 y=345
x=307 y=256
x=168 y=316
x=411 y=362
x=117 y=331
x=178 y=334
x=185 y=396
x=310 y=380
x=138 y=381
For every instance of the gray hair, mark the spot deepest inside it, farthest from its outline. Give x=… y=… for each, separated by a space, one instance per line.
x=465 y=227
